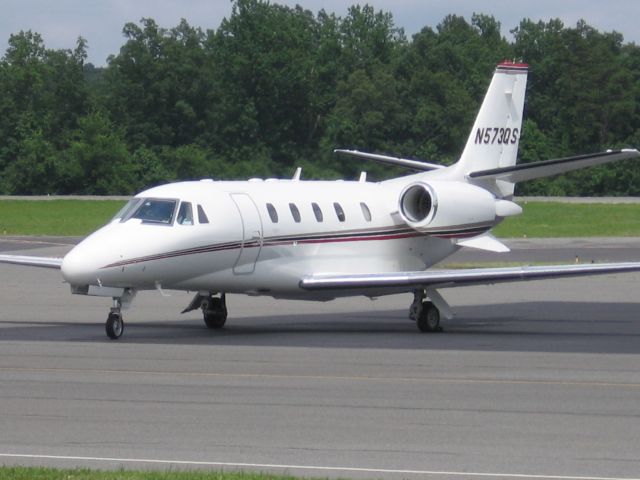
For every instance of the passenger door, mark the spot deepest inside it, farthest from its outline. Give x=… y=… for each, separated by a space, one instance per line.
x=252 y=234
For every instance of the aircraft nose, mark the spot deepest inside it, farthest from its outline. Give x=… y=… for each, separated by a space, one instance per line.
x=77 y=268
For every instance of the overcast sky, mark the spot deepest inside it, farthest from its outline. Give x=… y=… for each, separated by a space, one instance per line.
x=60 y=22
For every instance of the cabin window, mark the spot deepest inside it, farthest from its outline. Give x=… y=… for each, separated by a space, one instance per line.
x=124 y=213
x=295 y=213
x=316 y=211
x=155 y=210
x=202 y=217
x=365 y=211
x=185 y=214
x=339 y=211
x=273 y=214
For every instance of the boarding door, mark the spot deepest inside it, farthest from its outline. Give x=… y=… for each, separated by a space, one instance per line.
x=251 y=236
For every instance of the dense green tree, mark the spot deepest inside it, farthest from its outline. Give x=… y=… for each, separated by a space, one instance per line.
x=444 y=74
x=97 y=161
x=583 y=96
x=369 y=38
x=149 y=169
x=366 y=116
x=43 y=95
x=274 y=87
x=33 y=169
x=263 y=55
x=156 y=87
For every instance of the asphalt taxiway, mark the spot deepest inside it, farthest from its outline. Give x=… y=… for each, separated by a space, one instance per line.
x=531 y=380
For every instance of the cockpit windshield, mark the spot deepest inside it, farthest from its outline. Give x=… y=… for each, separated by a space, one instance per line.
x=125 y=211
x=155 y=210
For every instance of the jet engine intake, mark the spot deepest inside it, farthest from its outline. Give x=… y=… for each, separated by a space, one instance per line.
x=418 y=203
x=446 y=206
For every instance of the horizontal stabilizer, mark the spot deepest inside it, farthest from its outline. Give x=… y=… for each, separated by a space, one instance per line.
x=45 y=262
x=459 y=277
x=403 y=162
x=547 y=168
x=485 y=242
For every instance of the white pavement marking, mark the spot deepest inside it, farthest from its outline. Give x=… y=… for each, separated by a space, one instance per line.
x=306 y=467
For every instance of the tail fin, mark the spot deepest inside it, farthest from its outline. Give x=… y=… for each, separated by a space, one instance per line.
x=493 y=142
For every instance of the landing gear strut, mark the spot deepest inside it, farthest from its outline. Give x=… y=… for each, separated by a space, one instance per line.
x=115 y=324
x=214 y=311
x=425 y=313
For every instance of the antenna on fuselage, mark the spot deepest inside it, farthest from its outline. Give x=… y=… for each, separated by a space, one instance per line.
x=363 y=177
x=296 y=174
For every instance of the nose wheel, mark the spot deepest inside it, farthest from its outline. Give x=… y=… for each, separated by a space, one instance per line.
x=115 y=324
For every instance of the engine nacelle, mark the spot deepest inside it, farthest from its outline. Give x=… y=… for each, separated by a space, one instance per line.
x=447 y=207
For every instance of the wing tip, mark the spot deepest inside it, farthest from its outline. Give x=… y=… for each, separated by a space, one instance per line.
x=29 y=261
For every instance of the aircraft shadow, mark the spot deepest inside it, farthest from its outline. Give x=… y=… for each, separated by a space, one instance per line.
x=529 y=326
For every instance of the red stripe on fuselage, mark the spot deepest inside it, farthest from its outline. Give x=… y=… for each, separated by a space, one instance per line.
x=333 y=238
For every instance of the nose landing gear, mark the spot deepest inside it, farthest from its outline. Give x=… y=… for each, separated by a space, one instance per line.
x=115 y=324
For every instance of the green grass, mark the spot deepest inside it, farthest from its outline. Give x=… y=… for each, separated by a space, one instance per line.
x=32 y=473
x=55 y=217
x=539 y=220
x=557 y=220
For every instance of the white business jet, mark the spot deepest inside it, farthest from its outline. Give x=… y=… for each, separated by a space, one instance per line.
x=318 y=240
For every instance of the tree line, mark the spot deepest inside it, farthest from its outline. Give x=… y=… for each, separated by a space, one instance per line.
x=275 y=87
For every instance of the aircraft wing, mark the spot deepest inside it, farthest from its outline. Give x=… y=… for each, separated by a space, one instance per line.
x=530 y=171
x=403 y=162
x=46 y=262
x=459 y=277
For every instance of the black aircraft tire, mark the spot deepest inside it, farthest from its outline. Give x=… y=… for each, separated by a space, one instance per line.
x=114 y=326
x=215 y=321
x=215 y=313
x=429 y=320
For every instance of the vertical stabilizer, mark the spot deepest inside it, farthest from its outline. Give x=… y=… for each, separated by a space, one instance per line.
x=493 y=142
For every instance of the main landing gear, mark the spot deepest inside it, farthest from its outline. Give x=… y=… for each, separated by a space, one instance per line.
x=214 y=309
x=426 y=313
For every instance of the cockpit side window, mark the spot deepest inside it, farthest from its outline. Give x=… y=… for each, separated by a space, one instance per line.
x=202 y=217
x=156 y=210
x=185 y=214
